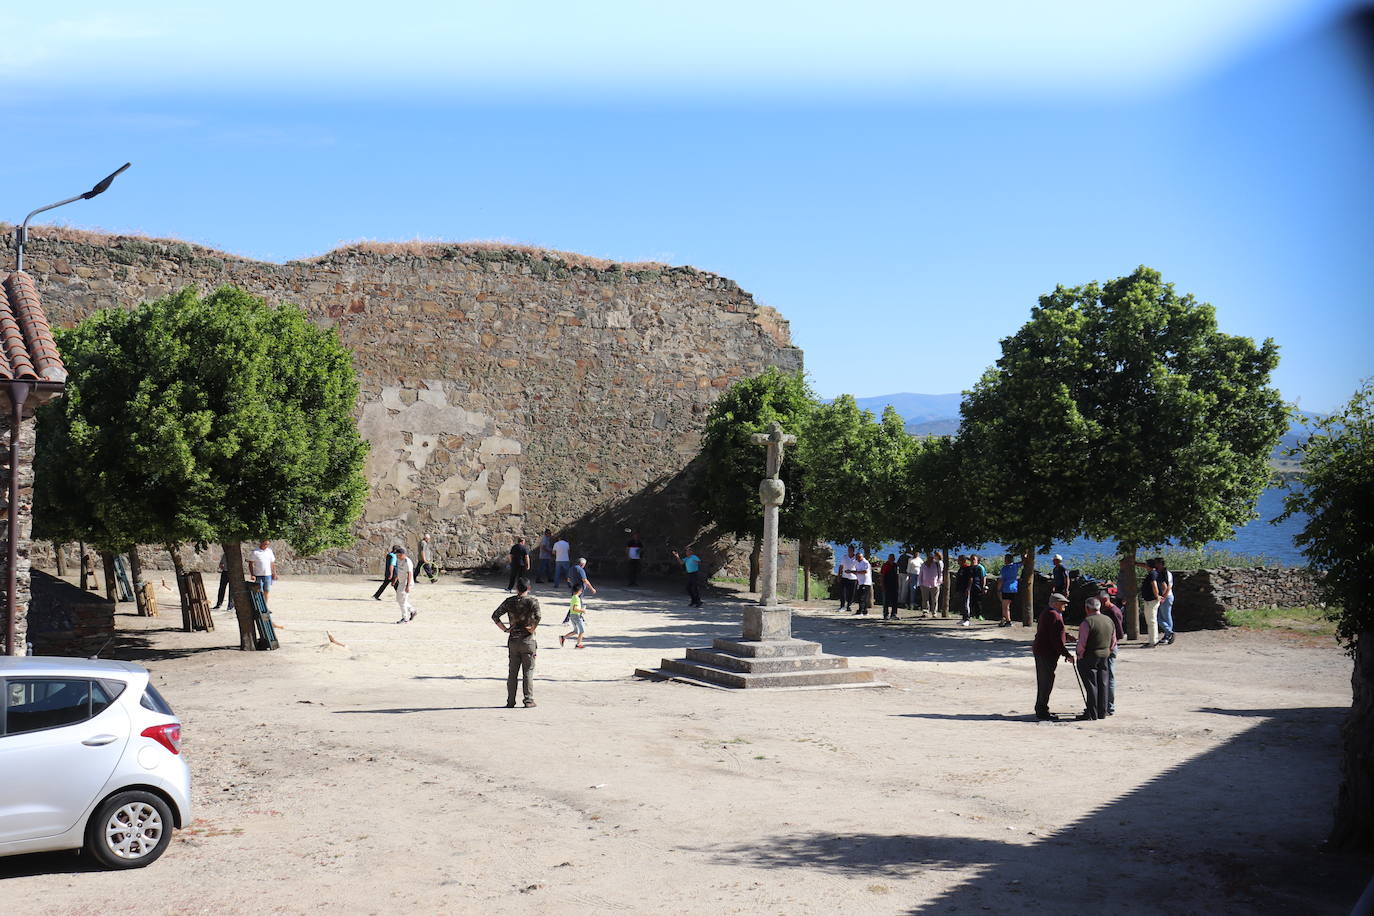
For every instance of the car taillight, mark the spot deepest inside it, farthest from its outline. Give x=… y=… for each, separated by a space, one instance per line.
x=169 y=736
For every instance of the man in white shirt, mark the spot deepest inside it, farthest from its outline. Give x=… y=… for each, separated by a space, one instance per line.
x=848 y=580
x=262 y=563
x=911 y=585
x=863 y=574
x=561 y=550
x=405 y=579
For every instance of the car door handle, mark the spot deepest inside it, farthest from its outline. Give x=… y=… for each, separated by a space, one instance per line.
x=99 y=740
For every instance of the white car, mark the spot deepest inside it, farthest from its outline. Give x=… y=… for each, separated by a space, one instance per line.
x=90 y=757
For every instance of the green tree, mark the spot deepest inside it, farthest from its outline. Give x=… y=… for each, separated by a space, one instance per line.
x=1338 y=541
x=727 y=490
x=1023 y=438
x=1172 y=421
x=204 y=419
x=942 y=510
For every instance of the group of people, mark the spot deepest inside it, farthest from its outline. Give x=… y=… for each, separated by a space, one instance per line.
x=907 y=581
x=398 y=571
x=1094 y=655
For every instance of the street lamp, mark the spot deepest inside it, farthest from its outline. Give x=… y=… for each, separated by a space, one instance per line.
x=21 y=235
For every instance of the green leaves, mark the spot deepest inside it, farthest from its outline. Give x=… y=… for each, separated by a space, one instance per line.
x=1335 y=489
x=212 y=419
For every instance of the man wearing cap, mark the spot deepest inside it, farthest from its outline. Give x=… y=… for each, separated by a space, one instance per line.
x=1059 y=576
x=1096 y=640
x=1048 y=648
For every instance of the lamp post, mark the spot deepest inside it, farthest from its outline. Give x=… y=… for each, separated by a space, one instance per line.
x=21 y=235
x=20 y=391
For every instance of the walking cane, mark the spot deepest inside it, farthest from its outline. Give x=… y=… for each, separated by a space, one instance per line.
x=1079 y=678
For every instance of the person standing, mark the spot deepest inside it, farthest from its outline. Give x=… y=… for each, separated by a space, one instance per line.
x=262 y=562
x=903 y=581
x=223 y=583
x=427 y=560
x=1149 y=602
x=849 y=579
x=891 y=587
x=1165 y=581
x=634 y=550
x=519 y=562
x=979 y=585
x=522 y=610
x=1008 y=582
x=405 y=580
x=561 y=551
x=388 y=574
x=1119 y=622
x=932 y=577
x=576 y=616
x=1059 y=576
x=1048 y=649
x=963 y=590
x=544 y=571
x=691 y=564
x=863 y=582
x=1096 y=639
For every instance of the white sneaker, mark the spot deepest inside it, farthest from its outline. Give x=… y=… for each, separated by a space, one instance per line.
x=404 y=620
x=963 y=623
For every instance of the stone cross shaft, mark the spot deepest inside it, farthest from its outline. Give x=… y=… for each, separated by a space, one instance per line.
x=771 y=492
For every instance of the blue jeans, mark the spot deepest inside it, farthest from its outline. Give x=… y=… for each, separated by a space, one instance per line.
x=1111 y=683
x=560 y=571
x=1166 y=614
x=545 y=569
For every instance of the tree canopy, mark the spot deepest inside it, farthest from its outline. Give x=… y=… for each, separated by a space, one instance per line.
x=206 y=419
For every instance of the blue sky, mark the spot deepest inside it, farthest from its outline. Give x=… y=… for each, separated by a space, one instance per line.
x=899 y=179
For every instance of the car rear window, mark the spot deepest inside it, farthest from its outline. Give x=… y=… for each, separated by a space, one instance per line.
x=154 y=701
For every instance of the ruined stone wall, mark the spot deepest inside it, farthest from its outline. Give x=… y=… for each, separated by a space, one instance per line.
x=22 y=590
x=503 y=390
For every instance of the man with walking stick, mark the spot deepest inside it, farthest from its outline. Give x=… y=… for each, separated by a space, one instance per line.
x=1048 y=648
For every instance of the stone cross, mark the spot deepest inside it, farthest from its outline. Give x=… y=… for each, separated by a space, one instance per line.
x=771 y=492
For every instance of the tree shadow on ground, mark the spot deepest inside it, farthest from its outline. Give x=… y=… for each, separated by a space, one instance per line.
x=1234 y=829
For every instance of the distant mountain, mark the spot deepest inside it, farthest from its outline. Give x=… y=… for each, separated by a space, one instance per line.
x=934 y=427
x=915 y=408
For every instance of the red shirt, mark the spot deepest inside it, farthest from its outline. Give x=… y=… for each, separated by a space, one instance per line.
x=1049 y=635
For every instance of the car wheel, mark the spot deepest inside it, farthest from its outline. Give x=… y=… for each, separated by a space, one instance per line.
x=130 y=830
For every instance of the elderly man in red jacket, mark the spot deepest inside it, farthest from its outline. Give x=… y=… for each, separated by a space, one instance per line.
x=1048 y=648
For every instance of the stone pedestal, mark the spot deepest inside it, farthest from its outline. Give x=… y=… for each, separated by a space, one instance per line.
x=740 y=664
x=767 y=622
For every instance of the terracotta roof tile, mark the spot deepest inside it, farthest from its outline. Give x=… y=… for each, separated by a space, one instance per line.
x=27 y=350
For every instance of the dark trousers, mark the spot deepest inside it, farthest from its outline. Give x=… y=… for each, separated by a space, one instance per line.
x=515 y=573
x=522 y=653
x=223 y=590
x=389 y=580
x=890 y=596
x=694 y=588
x=1111 y=683
x=631 y=572
x=1045 y=666
x=1094 y=674
x=847 y=587
x=429 y=570
x=865 y=598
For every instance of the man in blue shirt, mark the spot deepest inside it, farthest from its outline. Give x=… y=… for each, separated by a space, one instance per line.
x=1008 y=582
x=692 y=564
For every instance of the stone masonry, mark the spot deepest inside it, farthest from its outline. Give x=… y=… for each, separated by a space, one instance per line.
x=503 y=389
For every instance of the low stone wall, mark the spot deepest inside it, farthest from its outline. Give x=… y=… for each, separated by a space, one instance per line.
x=63 y=619
x=1202 y=598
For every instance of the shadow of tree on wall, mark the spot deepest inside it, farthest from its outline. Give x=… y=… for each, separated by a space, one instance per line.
x=1235 y=829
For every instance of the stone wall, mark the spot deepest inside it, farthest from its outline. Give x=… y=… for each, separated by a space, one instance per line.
x=23 y=593
x=504 y=390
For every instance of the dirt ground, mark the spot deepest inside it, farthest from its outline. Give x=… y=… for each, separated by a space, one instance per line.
x=387 y=776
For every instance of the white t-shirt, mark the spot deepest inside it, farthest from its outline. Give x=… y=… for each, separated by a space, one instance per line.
x=560 y=550
x=847 y=566
x=913 y=565
x=405 y=571
x=261 y=560
x=864 y=572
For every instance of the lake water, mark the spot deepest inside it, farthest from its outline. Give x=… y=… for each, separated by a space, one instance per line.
x=1257 y=539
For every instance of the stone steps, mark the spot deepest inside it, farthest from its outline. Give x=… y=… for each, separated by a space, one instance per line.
x=725 y=677
x=766 y=665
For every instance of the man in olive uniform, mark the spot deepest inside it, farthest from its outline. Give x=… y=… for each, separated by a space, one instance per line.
x=523 y=613
x=1096 y=640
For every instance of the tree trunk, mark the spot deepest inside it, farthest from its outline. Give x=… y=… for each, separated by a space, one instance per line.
x=136 y=580
x=243 y=608
x=81 y=561
x=1353 y=829
x=107 y=563
x=804 y=555
x=180 y=569
x=945 y=584
x=754 y=557
x=59 y=559
x=1027 y=587
x=1125 y=590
